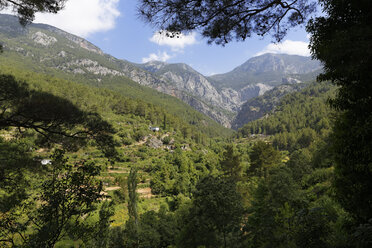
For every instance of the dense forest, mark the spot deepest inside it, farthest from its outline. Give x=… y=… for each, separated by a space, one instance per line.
x=112 y=134
x=88 y=166
x=164 y=188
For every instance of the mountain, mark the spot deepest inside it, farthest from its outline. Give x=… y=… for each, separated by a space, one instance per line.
x=185 y=78
x=258 y=107
x=200 y=93
x=51 y=50
x=297 y=118
x=46 y=49
x=269 y=69
x=78 y=59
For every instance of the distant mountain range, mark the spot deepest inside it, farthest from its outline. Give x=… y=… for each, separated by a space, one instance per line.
x=219 y=96
x=232 y=92
x=269 y=69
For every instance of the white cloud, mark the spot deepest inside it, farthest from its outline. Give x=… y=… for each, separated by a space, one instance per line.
x=164 y=56
x=287 y=47
x=176 y=43
x=83 y=17
x=8 y=11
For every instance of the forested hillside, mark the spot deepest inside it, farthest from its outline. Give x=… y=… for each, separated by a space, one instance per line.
x=38 y=136
x=257 y=107
x=161 y=188
x=10 y=62
x=269 y=185
x=298 y=119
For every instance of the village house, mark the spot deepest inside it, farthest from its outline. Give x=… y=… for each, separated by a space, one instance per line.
x=154 y=129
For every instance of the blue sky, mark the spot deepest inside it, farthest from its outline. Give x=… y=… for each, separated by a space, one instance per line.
x=113 y=26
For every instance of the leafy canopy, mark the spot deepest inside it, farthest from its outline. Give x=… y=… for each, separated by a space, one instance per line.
x=56 y=119
x=342 y=41
x=67 y=192
x=223 y=21
x=26 y=9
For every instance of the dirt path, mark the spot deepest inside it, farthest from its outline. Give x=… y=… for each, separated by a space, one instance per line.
x=145 y=192
x=112 y=188
x=117 y=171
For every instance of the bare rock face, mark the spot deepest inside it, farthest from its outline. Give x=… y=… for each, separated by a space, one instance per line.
x=82 y=66
x=290 y=80
x=62 y=54
x=183 y=82
x=231 y=98
x=217 y=115
x=184 y=78
x=75 y=39
x=43 y=39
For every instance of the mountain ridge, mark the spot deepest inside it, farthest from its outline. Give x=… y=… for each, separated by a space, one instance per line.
x=68 y=60
x=269 y=68
x=57 y=49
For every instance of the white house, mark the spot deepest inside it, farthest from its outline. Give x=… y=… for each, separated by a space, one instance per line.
x=46 y=161
x=155 y=129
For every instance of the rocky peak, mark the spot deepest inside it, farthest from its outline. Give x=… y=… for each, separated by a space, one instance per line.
x=266 y=69
x=283 y=63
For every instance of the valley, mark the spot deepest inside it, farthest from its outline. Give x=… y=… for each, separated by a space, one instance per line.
x=102 y=152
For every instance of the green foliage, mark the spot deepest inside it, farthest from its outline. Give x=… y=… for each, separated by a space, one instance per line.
x=230 y=165
x=263 y=157
x=289 y=202
x=26 y=9
x=56 y=119
x=108 y=104
x=116 y=238
x=341 y=40
x=49 y=205
x=222 y=22
x=178 y=172
x=101 y=234
x=299 y=120
x=133 y=197
x=215 y=216
x=300 y=164
x=283 y=215
x=16 y=160
x=352 y=151
x=156 y=229
x=46 y=61
x=66 y=196
x=363 y=235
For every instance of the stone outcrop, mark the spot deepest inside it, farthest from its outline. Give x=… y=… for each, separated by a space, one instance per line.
x=43 y=39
